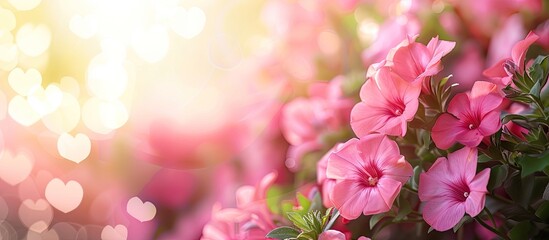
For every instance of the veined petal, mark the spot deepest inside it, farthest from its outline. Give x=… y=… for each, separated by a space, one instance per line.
x=490 y=124
x=399 y=170
x=464 y=163
x=480 y=181
x=445 y=131
x=366 y=119
x=459 y=105
x=443 y=213
x=469 y=137
x=350 y=198
x=344 y=161
x=485 y=97
x=475 y=203
x=518 y=53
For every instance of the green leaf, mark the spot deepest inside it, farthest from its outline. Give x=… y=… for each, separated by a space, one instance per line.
x=498 y=174
x=414 y=180
x=521 y=231
x=375 y=219
x=543 y=211
x=304 y=202
x=283 y=233
x=546 y=193
x=534 y=163
x=273 y=199
x=483 y=158
x=404 y=208
x=520 y=189
x=462 y=221
x=299 y=221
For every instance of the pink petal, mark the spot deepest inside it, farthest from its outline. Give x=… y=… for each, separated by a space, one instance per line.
x=490 y=124
x=366 y=119
x=344 y=163
x=497 y=74
x=459 y=105
x=392 y=86
x=445 y=131
x=469 y=138
x=478 y=184
x=264 y=185
x=350 y=198
x=485 y=97
x=378 y=148
x=382 y=196
x=430 y=187
x=440 y=48
x=400 y=170
x=244 y=195
x=443 y=214
x=519 y=50
x=411 y=60
x=463 y=163
x=369 y=92
x=475 y=203
x=331 y=235
x=441 y=170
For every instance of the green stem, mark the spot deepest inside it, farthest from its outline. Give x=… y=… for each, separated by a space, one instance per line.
x=490 y=216
x=334 y=217
x=485 y=225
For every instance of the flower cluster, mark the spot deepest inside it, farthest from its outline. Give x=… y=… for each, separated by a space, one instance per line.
x=394 y=146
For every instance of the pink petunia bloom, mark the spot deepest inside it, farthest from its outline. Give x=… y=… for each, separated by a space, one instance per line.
x=502 y=72
x=251 y=219
x=306 y=120
x=369 y=172
x=388 y=104
x=470 y=117
x=450 y=189
x=415 y=62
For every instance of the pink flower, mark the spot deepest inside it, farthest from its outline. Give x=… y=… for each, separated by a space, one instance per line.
x=306 y=120
x=388 y=104
x=470 y=117
x=415 y=62
x=251 y=219
x=450 y=189
x=369 y=173
x=502 y=72
x=332 y=235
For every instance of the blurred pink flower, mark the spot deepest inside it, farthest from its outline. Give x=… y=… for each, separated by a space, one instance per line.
x=468 y=67
x=450 y=189
x=390 y=34
x=471 y=117
x=415 y=62
x=251 y=219
x=332 y=235
x=543 y=32
x=306 y=120
x=369 y=173
x=502 y=72
x=388 y=104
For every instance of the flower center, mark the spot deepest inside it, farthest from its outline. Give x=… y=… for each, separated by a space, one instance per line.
x=471 y=126
x=372 y=181
x=465 y=194
x=398 y=112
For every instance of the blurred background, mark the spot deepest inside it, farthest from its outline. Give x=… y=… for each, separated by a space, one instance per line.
x=179 y=103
